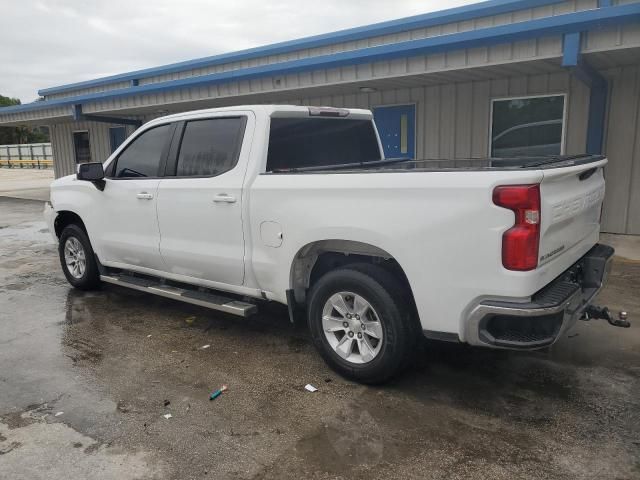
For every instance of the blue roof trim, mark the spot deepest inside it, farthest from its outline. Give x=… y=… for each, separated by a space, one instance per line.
x=556 y=25
x=467 y=12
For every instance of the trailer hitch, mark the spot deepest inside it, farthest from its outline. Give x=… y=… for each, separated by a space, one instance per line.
x=594 y=312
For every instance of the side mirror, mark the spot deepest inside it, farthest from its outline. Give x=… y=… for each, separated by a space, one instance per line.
x=92 y=172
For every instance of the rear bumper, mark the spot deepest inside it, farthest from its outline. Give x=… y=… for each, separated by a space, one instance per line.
x=550 y=312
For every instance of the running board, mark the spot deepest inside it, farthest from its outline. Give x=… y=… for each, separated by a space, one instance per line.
x=192 y=296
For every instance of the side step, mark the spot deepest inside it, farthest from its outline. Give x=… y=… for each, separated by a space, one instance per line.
x=187 y=295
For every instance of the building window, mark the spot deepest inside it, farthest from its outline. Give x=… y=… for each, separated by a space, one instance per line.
x=82 y=147
x=530 y=126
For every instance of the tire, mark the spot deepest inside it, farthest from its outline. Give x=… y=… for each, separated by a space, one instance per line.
x=387 y=302
x=87 y=278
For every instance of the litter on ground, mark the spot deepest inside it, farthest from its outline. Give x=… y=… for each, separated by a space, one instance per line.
x=167 y=416
x=310 y=388
x=218 y=392
x=204 y=347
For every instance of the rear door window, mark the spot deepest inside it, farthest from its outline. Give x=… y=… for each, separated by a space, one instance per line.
x=320 y=142
x=143 y=156
x=210 y=147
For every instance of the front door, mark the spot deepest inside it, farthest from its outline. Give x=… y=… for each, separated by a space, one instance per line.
x=128 y=234
x=200 y=199
x=396 y=126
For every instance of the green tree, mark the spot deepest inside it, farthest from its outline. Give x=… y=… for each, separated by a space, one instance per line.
x=21 y=134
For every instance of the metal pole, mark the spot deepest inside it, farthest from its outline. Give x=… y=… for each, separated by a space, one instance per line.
x=32 y=158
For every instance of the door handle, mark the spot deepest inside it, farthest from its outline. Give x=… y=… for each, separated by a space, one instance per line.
x=145 y=196
x=224 y=198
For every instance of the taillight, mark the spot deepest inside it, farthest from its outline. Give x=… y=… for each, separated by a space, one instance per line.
x=520 y=243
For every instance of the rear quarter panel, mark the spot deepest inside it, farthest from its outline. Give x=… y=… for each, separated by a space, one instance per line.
x=441 y=227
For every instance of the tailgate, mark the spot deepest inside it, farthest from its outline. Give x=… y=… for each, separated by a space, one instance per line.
x=571 y=199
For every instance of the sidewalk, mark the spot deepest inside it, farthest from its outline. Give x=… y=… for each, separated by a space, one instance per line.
x=25 y=183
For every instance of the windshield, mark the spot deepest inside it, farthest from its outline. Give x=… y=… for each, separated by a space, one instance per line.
x=320 y=142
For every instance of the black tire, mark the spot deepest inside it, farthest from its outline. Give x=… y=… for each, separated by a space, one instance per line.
x=90 y=279
x=391 y=304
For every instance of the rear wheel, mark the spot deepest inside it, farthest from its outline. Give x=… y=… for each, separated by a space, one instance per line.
x=360 y=322
x=77 y=258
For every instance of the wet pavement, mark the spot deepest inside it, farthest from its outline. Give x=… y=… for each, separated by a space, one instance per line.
x=115 y=361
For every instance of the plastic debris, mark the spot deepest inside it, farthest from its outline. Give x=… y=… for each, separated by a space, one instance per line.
x=218 y=392
x=167 y=416
x=149 y=336
x=190 y=320
x=310 y=388
x=204 y=347
x=58 y=414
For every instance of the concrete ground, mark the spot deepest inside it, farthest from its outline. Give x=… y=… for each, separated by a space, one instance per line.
x=85 y=379
x=26 y=183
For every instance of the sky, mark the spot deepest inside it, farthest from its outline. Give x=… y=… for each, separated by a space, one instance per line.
x=51 y=43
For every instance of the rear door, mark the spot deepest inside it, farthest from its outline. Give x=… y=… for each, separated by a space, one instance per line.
x=571 y=201
x=200 y=199
x=128 y=228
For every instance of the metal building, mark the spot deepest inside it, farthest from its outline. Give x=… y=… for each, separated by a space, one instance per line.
x=497 y=78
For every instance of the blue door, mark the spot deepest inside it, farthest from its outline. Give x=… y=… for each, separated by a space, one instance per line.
x=116 y=137
x=397 y=128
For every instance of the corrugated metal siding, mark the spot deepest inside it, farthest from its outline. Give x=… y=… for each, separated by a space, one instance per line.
x=484 y=22
x=453 y=119
x=87 y=91
x=519 y=16
x=509 y=53
x=622 y=145
x=63 y=150
x=20 y=117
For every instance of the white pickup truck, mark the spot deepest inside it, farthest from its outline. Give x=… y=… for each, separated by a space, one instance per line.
x=227 y=208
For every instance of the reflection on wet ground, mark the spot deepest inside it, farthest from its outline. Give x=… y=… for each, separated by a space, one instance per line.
x=115 y=361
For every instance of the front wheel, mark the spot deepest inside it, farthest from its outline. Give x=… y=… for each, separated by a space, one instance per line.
x=77 y=258
x=360 y=322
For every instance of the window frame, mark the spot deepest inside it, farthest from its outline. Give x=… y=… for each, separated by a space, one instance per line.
x=75 y=151
x=113 y=165
x=563 y=135
x=171 y=165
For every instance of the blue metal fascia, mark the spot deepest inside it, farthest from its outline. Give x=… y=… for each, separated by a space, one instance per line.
x=605 y=3
x=571 y=49
x=596 y=121
x=459 y=14
x=571 y=58
x=556 y=25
